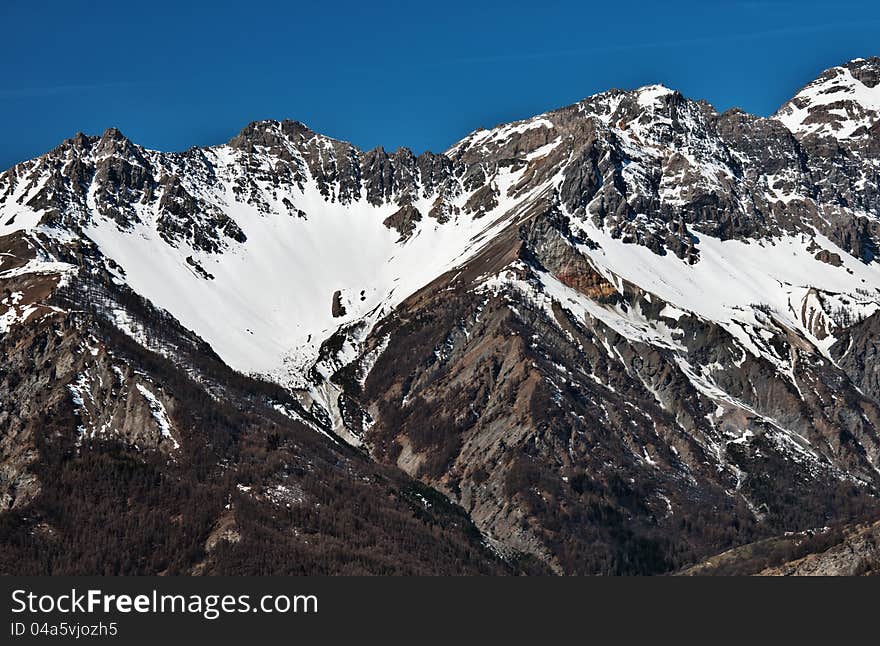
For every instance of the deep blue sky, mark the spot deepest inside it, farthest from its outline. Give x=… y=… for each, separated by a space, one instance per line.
x=390 y=73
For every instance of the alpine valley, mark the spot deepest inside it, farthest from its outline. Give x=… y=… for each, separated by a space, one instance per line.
x=628 y=336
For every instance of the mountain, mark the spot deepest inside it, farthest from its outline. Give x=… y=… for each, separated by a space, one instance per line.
x=618 y=337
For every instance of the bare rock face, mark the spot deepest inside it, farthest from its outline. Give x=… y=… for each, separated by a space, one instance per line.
x=858 y=354
x=337 y=306
x=404 y=220
x=829 y=256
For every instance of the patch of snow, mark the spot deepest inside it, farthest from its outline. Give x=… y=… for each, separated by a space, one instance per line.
x=157 y=408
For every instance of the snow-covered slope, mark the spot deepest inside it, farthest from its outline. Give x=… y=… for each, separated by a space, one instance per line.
x=735 y=281
x=267 y=305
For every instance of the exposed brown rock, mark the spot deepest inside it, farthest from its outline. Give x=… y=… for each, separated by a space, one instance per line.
x=404 y=220
x=337 y=308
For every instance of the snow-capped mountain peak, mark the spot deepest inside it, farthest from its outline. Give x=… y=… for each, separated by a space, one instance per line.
x=844 y=102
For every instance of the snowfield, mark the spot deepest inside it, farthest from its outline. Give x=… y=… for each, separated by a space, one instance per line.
x=268 y=307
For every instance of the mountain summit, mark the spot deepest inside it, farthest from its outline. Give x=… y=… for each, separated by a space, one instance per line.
x=617 y=337
x=844 y=102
